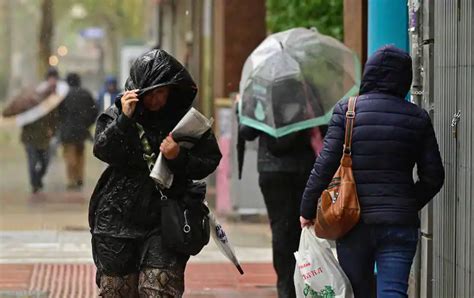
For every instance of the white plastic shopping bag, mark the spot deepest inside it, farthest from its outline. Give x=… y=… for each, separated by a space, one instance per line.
x=317 y=272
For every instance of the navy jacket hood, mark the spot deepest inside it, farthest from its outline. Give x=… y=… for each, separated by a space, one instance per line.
x=389 y=71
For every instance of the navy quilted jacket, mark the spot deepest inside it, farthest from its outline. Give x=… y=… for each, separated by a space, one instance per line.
x=390 y=137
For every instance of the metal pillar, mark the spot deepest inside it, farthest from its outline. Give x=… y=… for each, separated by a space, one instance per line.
x=388 y=24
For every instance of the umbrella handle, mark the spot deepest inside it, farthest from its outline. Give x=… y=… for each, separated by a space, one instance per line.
x=240 y=269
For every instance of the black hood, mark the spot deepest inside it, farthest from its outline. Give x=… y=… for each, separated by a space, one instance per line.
x=155 y=69
x=388 y=70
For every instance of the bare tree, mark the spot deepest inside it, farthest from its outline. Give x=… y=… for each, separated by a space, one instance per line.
x=5 y=59
x=46 y=35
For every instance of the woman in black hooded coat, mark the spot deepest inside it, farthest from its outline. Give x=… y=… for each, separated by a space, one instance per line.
x=124 y=212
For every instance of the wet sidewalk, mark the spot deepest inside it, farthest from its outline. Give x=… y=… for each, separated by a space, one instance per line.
x=77 y=280
x=56 y=263
x=45 y=248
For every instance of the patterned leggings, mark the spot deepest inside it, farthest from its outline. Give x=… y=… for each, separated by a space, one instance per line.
x=138 y=267
x=150 y=282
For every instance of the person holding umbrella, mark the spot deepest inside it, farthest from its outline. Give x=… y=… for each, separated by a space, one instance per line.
x=36 y=136
x=38 y=123
x=283 y=165
x=289 y=86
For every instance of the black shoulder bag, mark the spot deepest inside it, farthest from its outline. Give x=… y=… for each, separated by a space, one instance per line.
x=184 y=221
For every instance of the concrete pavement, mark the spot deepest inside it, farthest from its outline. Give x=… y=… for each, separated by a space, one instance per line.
x=45 y=246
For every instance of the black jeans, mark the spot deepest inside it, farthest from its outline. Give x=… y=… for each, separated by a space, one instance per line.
x=38 y=160
x=282 y=194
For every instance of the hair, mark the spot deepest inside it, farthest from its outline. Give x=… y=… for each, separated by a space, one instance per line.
x=73 y=79
x=52 y=72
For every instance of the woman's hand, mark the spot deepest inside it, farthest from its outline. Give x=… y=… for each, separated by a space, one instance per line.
x=237 y=99
x=306 y=222
x=129 y=102
x=169 y=148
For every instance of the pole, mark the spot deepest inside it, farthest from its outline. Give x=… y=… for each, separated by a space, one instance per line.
x=387 y=24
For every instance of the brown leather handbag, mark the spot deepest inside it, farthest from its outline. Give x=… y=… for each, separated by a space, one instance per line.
x=338 y=209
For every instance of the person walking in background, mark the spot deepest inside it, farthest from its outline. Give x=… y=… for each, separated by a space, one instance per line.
x=37 y=135
x=108 y=94
x=283 y=165
x=77 y=113
x=390 y=137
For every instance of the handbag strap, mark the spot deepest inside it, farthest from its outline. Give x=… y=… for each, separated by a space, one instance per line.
x=350 y=116
x=148 y=156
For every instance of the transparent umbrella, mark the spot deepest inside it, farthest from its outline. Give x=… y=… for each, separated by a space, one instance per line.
x=222 y=241
x=293 y=80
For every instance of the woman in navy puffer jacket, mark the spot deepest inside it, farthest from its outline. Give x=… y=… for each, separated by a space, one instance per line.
x=390 y=137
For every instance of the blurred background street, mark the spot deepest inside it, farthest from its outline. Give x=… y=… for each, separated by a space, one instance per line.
x=45 y=248
x=45 y=240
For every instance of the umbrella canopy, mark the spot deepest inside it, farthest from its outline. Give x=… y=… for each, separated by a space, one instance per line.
x=30 y=105
x=222 y=241
x=293 y=80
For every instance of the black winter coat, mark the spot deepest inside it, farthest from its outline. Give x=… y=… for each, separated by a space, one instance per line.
x=125 y=202
x=288 y=154
x=390 y=137
x=77 y=113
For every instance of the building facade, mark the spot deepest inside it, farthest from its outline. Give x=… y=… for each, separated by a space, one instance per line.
x=442 y=49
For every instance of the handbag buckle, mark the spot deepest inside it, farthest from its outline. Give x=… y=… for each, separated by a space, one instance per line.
x=347 y=150
x=334 y=195
x=350 y=114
